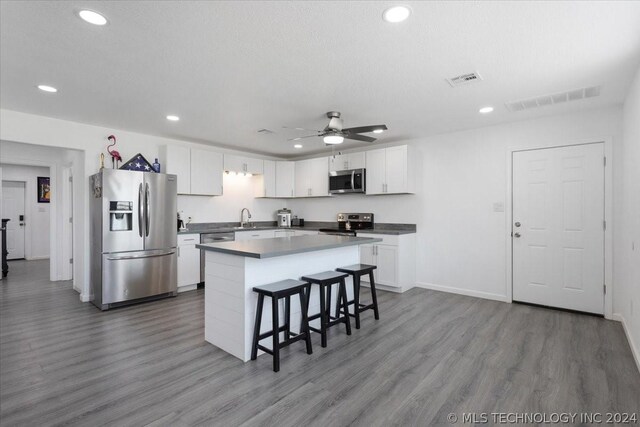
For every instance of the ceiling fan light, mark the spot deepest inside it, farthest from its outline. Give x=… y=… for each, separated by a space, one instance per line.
x=378 y=131
x=333 y=139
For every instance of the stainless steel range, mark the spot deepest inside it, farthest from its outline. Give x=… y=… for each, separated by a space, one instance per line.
x=350 y=223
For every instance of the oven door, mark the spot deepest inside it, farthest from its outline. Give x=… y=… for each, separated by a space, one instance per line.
x=347 y=181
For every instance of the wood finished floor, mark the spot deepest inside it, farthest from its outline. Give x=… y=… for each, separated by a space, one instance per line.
x=63 y=362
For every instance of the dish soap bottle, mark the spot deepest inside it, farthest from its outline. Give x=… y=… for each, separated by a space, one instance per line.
x=156 y=166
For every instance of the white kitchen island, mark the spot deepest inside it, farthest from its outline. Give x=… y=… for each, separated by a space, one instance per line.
x=232 y=269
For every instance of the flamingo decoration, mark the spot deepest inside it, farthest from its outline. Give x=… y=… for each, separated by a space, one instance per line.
x=115 y=155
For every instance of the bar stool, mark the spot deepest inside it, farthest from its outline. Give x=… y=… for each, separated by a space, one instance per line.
x=277 y=290
x=357 y=271
x=325 y=281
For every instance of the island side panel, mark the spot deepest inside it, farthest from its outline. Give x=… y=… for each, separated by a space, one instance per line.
x=224 y=307
x=267 y=270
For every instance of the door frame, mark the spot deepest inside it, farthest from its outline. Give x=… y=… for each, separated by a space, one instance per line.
x=608 y=211
x=26 y=230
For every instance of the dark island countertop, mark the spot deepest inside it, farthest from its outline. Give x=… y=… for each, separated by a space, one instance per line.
x=280 y=246
x=225 y=227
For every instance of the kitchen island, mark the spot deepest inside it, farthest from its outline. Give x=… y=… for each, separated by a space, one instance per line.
x=232 y=269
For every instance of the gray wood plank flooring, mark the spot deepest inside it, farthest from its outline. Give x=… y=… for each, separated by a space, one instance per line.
x=63 y=362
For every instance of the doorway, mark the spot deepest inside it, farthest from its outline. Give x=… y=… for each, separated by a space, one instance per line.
x=13 y=208
x=558 y=228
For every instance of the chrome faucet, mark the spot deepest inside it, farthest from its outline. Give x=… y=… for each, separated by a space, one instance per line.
x=242 y=221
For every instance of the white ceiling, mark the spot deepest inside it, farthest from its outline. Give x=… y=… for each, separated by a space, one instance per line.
x=229 y=69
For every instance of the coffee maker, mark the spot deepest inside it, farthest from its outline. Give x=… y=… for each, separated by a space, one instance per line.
x=284 y=218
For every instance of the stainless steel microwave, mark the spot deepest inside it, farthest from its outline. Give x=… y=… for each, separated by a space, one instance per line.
x=347 y=181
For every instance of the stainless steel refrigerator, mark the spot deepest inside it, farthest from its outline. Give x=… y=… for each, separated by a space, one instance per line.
x=133 y=237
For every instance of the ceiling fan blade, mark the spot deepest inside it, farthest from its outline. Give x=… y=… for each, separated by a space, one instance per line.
x=359 y=137
x=302 y=137
x=365 y=129
x=304 y=129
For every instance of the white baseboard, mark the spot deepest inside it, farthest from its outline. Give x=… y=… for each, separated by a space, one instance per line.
x=187 y=288
x=85 y=297
x=634 y=348
x=36 y=258
x=461 y=291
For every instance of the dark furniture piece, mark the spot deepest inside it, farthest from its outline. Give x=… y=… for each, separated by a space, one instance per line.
x=357 y=271
x=325 y=281
x=277 y=290
x=5 y=264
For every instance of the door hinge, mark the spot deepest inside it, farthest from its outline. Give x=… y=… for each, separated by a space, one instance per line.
x=604 y=289
x=70 y=179
x=604 y=225
x=605 y=161
x=70 y=220
x=70 y=260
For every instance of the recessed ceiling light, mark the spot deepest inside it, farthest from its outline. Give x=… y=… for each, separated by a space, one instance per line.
x=92 y=17
x=46 y=88
x=333 y=139
x=173 y=118
x=485 y=110
x=297 y=146
x=396 y=14
x=378 y=131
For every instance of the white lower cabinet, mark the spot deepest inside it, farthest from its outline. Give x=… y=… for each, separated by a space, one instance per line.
x=188 y=262
x=254 y=234
x=395 y=259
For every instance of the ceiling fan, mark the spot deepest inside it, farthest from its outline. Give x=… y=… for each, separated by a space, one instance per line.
x=334 y=133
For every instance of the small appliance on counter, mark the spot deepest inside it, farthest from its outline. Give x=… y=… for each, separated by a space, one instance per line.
x=297 y=222
x=284 y=218
x=350 y=223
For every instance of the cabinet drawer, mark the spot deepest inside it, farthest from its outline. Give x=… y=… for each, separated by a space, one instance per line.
x=188 y=239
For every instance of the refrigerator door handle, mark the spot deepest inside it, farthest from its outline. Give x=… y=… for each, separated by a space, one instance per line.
x=353 y=176
x=116 y=258
x=140 y=211
x=146 y=209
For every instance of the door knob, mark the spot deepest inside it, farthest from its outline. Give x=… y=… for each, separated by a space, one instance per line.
x=516 y=234
x=517 y=224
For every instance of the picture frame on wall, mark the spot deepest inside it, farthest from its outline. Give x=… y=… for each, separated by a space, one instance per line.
x=44 y=189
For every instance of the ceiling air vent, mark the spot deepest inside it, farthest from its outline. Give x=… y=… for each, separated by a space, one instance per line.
x=555 y=98
x=464 y=79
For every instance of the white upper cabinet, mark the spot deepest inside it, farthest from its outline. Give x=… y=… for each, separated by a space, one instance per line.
x=206 y=172
x=199 y=171
x=267 y=183
x=346 y=161
x=390 y=171
x=177 y=161
x=311 y=178
x=243 y=164
x=285 y=178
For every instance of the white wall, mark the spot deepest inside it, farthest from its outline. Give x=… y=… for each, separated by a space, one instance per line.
x=55 y=159
x=36 y=214
x=627 y=242
x=461 y=241
x=91 y=141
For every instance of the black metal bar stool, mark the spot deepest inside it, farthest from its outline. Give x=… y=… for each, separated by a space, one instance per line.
x=357 y=271
x=277 y=290
x=325 y=281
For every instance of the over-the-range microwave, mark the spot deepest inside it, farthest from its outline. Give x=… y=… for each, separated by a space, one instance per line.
x=347 y=181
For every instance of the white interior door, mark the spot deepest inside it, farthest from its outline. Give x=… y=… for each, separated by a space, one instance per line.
x=558 y=227
x=12 y=208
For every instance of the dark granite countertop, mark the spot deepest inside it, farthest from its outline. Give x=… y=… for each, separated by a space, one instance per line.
x=280 y=246
x=226 y=227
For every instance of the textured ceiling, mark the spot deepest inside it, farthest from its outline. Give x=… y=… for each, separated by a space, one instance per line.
x=229 y=69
